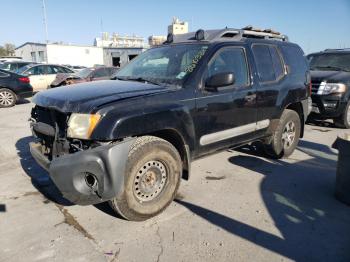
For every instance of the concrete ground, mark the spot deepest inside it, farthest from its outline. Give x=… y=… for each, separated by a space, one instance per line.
x=237 y=206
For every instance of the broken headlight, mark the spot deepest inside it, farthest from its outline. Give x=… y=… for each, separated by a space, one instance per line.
x=82 y=125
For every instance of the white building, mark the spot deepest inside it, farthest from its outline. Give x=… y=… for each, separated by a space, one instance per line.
x=178 y=27
x=61 y=54
x=65 y=54
x=120 y=41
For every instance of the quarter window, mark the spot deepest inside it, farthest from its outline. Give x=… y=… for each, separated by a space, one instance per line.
x=268 y=62
x=231 y=60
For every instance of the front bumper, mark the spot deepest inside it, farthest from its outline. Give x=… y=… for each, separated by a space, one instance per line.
x=328 y=106
x=106 y=164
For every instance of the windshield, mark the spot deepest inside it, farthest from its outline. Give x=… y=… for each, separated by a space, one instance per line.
x=84 y=73
x=166 y=64
x=337 y=62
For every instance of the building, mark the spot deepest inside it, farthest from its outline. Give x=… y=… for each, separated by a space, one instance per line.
x=119 y=41
x=60 y=54
x=177 y=27
x=77 y=54
x=155 y=40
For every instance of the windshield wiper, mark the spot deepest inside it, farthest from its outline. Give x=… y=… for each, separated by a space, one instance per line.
x=138 y=79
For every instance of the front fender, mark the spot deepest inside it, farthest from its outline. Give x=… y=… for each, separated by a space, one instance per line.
x=174 y=117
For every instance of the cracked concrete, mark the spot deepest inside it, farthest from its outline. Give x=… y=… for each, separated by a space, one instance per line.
x=236 y=207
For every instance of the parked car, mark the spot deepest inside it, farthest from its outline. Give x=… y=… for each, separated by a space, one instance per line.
x=85 y=75
x=129 y=141
x=42 y=75
x=4 y=59
x=330 y=73
x=14 y=65
x=13 y=87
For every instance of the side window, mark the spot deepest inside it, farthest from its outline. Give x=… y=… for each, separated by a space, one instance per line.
x=36 y=70
x=101 y=72
x=278 y=67
x=230 y=60
x=295 y=59
x=51 y=70
x=268 y=62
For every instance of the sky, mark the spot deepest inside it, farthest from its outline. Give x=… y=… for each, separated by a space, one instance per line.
x=314 y=25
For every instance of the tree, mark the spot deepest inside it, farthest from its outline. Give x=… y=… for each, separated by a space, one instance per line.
x=7 y=50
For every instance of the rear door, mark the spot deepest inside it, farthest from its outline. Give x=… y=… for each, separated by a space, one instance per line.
x=37 y=78
x=271 y=72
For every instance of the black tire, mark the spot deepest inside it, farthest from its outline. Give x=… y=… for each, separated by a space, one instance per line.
x=282 y=144
x=150 y=159
x=7 y=98
x=344 y=120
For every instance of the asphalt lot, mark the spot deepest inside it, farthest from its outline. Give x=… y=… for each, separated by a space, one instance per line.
x=237 y=206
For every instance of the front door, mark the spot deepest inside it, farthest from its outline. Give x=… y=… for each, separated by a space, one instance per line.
x=226 y=116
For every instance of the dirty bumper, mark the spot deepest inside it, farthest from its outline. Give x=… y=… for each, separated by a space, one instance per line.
x=87 y=177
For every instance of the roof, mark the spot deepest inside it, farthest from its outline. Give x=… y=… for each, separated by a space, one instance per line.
x=336 y=50
x=226 y=34
x=30 y=43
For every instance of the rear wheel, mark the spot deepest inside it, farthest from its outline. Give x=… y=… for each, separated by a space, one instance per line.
x=344 y=120
x=152 y=179
x=7 y=98
x=286 y=137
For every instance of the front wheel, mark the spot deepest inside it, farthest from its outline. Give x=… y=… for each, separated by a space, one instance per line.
x=344 y=120
x=7 y=98
x=286 y=137
x=152 y=179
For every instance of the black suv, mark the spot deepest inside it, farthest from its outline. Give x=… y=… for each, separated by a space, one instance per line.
x=131 y=140
x=330 y=73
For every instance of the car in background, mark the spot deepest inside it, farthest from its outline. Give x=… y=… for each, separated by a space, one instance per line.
x=4 y=59
x=13 y=87
x=13 y=65
x=85 y=75
x=42 y=75
x=330 y=76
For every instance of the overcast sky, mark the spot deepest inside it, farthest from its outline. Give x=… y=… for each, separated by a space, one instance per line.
x=314 y=25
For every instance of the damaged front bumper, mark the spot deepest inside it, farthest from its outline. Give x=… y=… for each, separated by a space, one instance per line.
x=88 y=177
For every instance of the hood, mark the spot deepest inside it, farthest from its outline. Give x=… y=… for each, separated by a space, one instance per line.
x=60 y=77
x=85 y=97
x=318 y=76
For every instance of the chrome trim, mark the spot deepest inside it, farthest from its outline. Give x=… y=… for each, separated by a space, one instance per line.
x=233 y=132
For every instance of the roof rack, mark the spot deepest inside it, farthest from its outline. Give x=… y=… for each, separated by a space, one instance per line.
x=229 y=34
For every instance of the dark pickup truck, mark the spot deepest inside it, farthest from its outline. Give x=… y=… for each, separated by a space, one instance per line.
x=130 y=140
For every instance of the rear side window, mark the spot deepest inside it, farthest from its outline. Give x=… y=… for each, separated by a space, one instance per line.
x=269 y=63
x=294 y=58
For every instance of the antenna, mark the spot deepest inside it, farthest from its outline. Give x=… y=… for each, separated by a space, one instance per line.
x=45 y=21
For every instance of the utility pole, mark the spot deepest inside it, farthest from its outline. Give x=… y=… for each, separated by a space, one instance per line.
x=45 y=21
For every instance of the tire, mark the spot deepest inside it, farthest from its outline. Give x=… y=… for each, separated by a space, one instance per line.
x=286 y=137
x=152 y=178
x=344 y=120
x=7 y=98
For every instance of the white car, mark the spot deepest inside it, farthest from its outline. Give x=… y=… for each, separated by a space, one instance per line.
x=42 y=75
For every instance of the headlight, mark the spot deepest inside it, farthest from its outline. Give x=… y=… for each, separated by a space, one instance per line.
x=82 y=125
x=329 y=88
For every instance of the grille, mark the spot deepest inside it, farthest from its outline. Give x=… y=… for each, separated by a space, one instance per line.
x=315 y=87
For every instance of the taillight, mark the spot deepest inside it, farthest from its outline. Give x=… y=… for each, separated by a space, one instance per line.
x=25 y=80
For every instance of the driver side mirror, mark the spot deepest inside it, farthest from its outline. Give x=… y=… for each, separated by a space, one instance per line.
x=216 y=81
